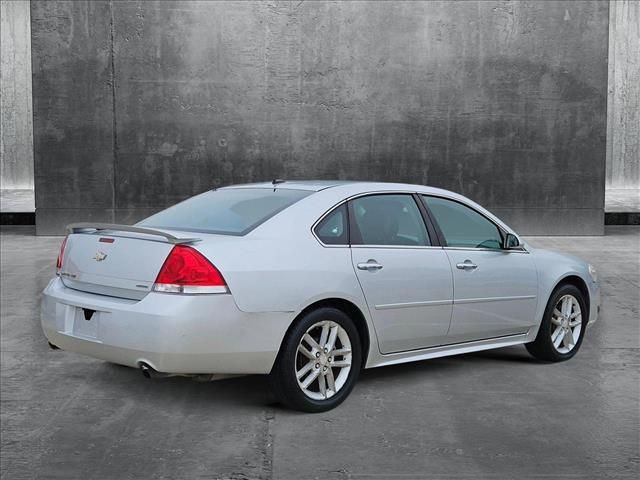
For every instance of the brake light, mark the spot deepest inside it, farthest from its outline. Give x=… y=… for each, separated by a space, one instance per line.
x=187 y=271
x=60 y=256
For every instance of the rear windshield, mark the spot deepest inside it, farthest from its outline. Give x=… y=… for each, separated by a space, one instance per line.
x=227 y=211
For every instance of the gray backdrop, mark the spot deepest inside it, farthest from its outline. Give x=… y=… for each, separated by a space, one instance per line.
x=138 y=105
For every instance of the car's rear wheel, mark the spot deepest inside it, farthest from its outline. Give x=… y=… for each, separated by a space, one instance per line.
x=319 y=361
x=563 y=326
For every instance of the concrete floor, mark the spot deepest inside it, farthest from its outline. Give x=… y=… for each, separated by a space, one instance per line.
x=493 y=415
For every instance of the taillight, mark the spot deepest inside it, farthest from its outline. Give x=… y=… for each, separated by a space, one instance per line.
x=60 y=256
x=187 y=271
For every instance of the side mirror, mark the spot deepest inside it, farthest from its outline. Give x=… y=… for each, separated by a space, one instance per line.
x=511 y=242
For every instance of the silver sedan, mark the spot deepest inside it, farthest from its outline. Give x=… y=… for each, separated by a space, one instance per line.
x=309 y=282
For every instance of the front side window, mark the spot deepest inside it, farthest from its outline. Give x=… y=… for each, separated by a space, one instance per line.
x=232 y=211
x=332 y=230
x=462 y=226
x=392 y=219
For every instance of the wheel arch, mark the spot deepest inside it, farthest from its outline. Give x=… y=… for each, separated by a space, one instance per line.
x=577 y=282
x=348 y=307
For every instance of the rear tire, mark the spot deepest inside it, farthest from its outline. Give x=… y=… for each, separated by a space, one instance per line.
x=563 y=326
x=319 y=361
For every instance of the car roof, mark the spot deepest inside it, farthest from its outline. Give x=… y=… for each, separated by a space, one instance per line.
x=348 y=188
x=313 y=185
x=318 y=185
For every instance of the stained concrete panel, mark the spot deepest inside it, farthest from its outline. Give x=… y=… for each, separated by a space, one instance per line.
x=554 y=221
x=503 y=102
x=16 y=128
x=73 y=110
x=623 y=152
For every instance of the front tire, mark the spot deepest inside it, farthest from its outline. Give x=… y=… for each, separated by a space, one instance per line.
x=319 y=361
x=563 y=326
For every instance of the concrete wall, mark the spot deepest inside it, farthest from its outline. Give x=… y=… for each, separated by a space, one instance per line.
x=141 y=104
x=623 y=139
x=16 y=139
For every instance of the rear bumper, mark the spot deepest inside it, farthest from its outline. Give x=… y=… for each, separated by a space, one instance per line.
x=171 y=333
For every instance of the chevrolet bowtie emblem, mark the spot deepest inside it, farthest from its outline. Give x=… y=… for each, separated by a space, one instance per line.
x=100 y=256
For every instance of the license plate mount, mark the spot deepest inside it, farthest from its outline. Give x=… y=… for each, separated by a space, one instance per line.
x=86 y=323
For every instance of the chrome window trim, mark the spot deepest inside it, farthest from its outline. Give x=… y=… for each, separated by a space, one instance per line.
x=500 y=228
x=412 y=192
x=498 y=250
x=330 y=246
x=357 y=195
x=325 y=214
x=401 y=247
x=395 y=192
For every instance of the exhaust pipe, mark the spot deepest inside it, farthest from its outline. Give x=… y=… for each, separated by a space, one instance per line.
x=149 y=372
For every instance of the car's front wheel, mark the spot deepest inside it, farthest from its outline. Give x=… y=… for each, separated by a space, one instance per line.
x=563 y=326
x=319 y=361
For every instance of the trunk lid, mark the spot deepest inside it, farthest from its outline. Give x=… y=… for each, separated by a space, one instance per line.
x=119 y=263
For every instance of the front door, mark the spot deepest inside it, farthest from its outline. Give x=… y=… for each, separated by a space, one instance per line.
x=495 y=290
x=407 y=282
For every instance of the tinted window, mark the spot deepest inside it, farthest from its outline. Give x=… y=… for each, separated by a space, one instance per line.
x=225 y=211
x=463 y=226
x=388 y=220
x=332 y=230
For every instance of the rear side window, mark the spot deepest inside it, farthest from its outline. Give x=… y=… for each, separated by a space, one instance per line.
x=234 y=211
x=462 y=226
x=388 y=220
x=333 y=230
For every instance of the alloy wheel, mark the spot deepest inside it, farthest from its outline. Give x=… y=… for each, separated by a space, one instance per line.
x=323 y=360
x=566 y=321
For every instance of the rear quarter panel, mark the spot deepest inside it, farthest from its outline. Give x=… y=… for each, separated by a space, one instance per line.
x=281 y=266
x=268 y=275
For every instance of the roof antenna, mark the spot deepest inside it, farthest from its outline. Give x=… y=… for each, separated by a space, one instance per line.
x=276 y=181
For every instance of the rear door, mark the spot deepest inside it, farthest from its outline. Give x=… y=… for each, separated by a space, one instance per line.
x=406 y=281
x=494 y=289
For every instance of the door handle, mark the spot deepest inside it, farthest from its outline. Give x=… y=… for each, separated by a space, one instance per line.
x=467 y=265
x=369 y=265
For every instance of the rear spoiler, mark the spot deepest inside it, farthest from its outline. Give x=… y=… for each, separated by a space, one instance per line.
x=97 y=227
